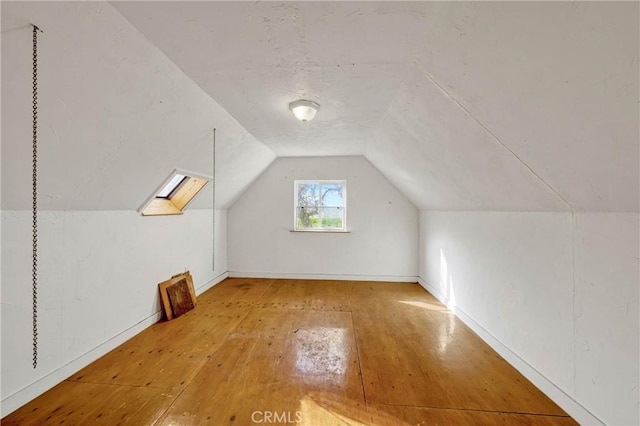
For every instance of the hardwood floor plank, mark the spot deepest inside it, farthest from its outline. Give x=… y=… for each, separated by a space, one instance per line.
x=413 y=351
x=74 y=403
x=313 y=352
x=166 y=355
x=270 y=363
x=392 y=415
x=307 y=294
x=235 y=293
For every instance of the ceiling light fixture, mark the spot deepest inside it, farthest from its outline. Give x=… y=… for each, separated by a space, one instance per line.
x=304 y=110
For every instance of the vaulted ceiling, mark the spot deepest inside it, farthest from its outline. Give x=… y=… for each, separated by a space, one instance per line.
x=525 y=106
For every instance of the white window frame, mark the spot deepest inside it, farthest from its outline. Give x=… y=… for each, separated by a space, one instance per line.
x=320 y=182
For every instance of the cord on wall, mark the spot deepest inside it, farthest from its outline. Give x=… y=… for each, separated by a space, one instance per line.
x=34 y=265
x=213 y=185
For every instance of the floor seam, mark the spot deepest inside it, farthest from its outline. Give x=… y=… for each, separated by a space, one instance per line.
x=249 y=346
x=207 y=359
x=163 y=416
x=300 y=309
x=120 y=384
x=474 y=410
x=355 y=341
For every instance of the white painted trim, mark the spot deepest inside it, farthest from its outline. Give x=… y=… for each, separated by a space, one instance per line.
x=21 y=397
x=322 y=231
x=557 y=395
x=216 y=280
x=37 y=388
x=320 y=182
x=340 y=277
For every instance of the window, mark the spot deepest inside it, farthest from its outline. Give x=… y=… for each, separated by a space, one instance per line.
x=171 y=186
x=320 y=205
x=174 y=194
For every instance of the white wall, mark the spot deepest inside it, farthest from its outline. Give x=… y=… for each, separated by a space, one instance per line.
x=557 y=293
x=98 y=276
x=382 y=244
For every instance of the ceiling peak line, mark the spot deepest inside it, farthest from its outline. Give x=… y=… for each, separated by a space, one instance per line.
x=493 y=135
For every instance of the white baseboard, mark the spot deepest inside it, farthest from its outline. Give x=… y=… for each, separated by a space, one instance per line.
x=40 y=386
x=208 y=285
x=557 y=395
x=339 y=277
x=577 y=411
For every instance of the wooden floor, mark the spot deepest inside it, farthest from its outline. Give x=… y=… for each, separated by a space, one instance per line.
x=258 y=351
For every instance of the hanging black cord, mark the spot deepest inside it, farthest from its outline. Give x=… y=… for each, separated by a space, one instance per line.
x=34 y=271
x=213 y=184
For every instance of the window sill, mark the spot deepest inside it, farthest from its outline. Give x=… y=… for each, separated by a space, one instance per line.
x=321 y=231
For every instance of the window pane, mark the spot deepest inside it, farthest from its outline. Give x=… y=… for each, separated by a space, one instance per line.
x=307 y=217
x=308 y=194
x=170 y=186
x=332 y=217
x=332 y=195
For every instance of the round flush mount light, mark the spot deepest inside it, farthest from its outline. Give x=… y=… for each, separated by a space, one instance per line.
x=304 y=110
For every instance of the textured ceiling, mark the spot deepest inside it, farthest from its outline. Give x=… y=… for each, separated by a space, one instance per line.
x=490 y=105
x=256 y=57
x=115 y=115
x=524 y=106
x=519 y=106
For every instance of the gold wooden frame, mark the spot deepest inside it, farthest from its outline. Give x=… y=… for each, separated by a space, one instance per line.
x=164 y=297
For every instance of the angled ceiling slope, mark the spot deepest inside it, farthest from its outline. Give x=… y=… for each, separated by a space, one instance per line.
x=116 y=116
x=481 y=105
x=256 y=57
x=490 y=106
x=520 y=106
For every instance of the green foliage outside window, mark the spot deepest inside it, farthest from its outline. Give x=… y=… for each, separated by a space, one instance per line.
x=320 y=205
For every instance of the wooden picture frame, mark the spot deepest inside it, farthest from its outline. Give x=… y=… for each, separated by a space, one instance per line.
x=189 y=278
x=165 y=299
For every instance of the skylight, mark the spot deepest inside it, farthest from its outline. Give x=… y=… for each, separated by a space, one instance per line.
x=171 y=186
x=175 y=194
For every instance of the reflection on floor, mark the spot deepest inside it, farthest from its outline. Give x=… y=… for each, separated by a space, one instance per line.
x=262 y=351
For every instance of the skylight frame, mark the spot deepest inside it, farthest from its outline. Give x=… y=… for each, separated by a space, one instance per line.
x=153 y=206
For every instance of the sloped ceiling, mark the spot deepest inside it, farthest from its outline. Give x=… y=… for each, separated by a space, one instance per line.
x=523 y=106
x=485 y=105
x=256 y=57
x=519 y=106
x=116 y=116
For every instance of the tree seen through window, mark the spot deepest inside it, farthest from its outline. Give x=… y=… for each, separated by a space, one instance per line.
x=320 y=205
